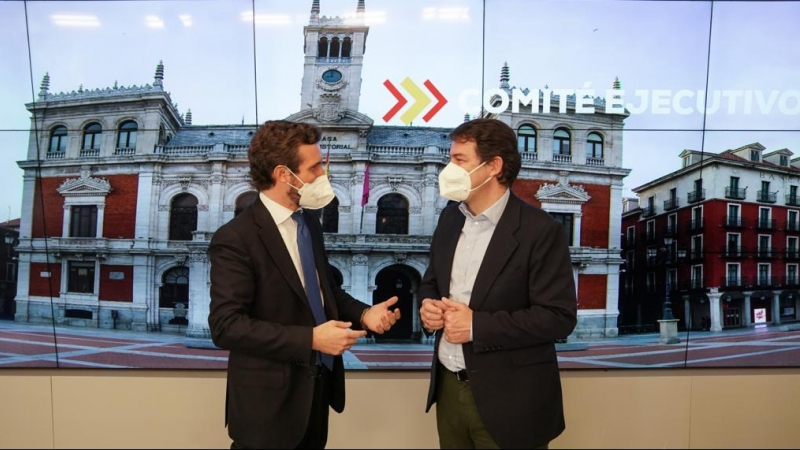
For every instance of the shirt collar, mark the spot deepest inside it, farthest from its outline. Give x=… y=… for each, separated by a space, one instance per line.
x=492 y=213
x=278 y=212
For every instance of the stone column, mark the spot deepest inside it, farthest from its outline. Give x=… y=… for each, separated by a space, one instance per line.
x=746 y=313
x=360 y=278
x=199 y=283
x=716 y=310
x=776 y=307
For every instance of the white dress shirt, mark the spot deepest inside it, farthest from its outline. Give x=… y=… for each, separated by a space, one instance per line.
x=288 y=229
x=470 y=250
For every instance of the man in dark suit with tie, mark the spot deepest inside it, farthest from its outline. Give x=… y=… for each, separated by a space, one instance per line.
x=274 y=304
x=498 y=293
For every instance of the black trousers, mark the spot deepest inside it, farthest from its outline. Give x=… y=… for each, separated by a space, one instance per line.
x=317 y=430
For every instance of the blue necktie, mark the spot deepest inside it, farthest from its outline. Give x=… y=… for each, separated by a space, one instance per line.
x=310 y=274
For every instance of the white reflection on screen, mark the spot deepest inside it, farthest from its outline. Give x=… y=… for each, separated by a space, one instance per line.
x=75 y=20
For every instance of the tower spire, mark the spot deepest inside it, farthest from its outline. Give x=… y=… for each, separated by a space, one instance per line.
x=504 y=76
x=314 y=18
x=44 y=88
x=360 y=8
x=188 y=118
x=159 y=78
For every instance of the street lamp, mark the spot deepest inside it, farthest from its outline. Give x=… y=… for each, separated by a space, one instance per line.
x=10 y=238
x=667 y=314
x=678 y=255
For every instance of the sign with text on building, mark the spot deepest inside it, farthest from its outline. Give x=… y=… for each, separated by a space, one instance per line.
x=338 y=141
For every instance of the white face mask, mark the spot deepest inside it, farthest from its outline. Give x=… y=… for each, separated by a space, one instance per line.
x=314 y=195
x=455 y=183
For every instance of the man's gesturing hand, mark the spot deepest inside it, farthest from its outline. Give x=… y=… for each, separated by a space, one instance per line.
x=334 y=337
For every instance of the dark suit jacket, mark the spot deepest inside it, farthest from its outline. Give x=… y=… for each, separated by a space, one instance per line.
x=260 y=312
x=522 y=301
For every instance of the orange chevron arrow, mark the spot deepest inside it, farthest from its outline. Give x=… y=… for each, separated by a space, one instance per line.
x=440 y=101
x=401 y=101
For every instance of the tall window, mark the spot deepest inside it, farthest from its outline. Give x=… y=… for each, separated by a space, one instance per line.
x=83 y=221
x=733 y=275
x=755 y=155
x=791 y=274
x=91 y=136
x=561 y=139
x=81 y=277
x=347 y=46
x=594 y=145
x=566 y=220
x=175 y=288
x=526 y=139
x=763 y=275
x=335 y=47
x=127 y=134
x=734 y=184
x=697 y=276
x=183 y=217
x=392 y=215
x=58 y=140
x=330 y=217
x=322 y=47
x=245 y=200
x=784 y=160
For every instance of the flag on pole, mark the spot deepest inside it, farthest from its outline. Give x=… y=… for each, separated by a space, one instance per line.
x=365 y=191
x=328 y=163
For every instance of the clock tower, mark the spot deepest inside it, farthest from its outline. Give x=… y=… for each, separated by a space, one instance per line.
x=334 y=56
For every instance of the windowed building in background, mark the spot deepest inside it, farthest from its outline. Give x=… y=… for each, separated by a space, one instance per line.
x=122 y=194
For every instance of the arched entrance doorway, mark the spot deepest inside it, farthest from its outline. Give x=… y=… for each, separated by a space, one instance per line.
x=402 y=281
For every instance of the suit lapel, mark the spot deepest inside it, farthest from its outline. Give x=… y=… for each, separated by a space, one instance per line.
x=447 y=250
x=501 y=247
x=273 y=243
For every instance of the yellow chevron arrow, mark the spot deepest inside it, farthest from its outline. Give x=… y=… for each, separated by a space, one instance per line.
x=420 y=101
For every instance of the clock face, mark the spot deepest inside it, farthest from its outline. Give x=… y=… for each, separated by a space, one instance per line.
x=331 y=76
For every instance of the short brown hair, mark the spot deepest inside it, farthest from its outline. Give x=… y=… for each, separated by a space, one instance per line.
x=492 y=138
x=275 y=144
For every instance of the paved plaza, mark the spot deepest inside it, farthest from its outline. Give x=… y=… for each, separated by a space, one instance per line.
x=24 y=345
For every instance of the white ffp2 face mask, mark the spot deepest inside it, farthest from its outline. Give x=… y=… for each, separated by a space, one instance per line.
x=455 y=183
x=314 y=195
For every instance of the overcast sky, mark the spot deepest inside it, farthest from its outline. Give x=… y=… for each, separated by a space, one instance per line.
x=208 y=52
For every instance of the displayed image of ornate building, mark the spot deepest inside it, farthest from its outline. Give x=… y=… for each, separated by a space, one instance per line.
x=122 y=194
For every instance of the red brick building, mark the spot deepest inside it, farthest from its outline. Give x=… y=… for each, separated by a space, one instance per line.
x=719 y=238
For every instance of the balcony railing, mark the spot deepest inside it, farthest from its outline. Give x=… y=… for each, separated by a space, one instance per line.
x=649 y=236
x=792 y=200
x=792 y=253
x=590 y=161
x=735 y=193
x=529 y=156
x=671 y=204
x=767 y=196
x=559 y=158
x=734 y=221
x=792 y=225
x=694 y=283
x=54 y=155
x=766 y=224
x=630 y=240
x=89 y=152
x=766 y=252
x=696 y=225
x=697 y=254
x=696 y=196
x=125 y=151
x=791 y=281
x=730 y=282
x=334 y=59
x=766 y=282
x=671 y=231
x=648 y=211
x=733 y=252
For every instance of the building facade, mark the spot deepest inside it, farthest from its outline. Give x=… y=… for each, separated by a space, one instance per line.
x=718 y=239
x=122 y=195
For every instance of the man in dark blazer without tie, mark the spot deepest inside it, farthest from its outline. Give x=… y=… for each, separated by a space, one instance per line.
x=498 y=293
